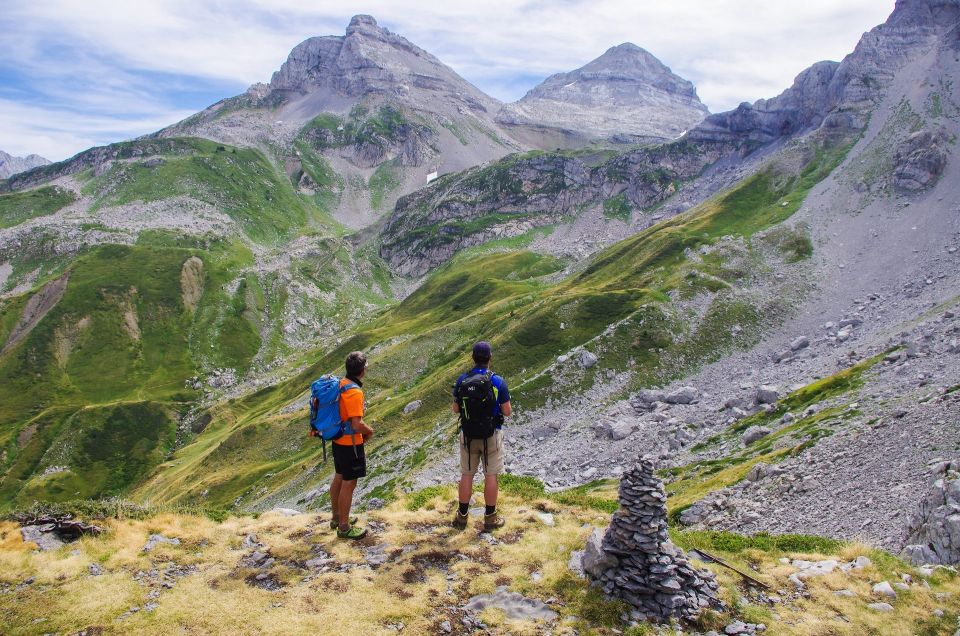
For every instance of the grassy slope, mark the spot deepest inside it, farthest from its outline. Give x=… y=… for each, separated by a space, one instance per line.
x=419 y=346
x=430 y=572
x=83 y=356
x=113 y=353
x=17 y=207
x=240 y=182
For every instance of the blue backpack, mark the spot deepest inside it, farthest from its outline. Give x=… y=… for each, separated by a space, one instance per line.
x=325 y=409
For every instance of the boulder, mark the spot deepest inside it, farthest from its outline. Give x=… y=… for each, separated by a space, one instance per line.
x=783 y=356
x=884 y=589
x=758 y=472
x=156 y=539
x=753 y=434
x=767 y=394
x=621 y=429
x=919 y=161
x=800 y=343
x=734 y=403
x=42 y=536
x=683 y=395
x=595 y=560
x=587 y=359
x=412 y=406
x=513 y=604
x=651 y=396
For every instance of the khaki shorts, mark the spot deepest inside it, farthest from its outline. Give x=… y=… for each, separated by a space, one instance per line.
x=492 y=463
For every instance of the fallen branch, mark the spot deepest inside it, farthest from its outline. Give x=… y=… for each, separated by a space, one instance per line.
x=715 y=559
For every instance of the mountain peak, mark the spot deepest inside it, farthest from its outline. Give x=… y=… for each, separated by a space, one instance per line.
x=10 y=165
x=368 y=58
x=626 y=90
x=361 y=20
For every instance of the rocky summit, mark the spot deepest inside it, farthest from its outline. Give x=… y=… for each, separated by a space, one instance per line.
x=625 y=95
x=370 y=59
x=764 y=308
x=10 y=165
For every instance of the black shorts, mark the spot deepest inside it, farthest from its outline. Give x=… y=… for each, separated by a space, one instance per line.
x=348 y=465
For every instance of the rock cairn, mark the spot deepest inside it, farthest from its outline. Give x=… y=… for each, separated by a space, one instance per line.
x=639 y=563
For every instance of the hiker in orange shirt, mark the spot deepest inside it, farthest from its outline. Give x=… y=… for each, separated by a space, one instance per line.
x=349 y=458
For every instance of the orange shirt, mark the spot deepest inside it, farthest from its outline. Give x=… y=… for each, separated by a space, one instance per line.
x=351 y=405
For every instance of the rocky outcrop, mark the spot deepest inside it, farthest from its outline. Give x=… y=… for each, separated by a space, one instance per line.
x=840 y=95
x=626 y=94
x=934 y=531
x=521 y=192
x=637 y=561
x=369 y=59
x=10 y=165
x=919 y=161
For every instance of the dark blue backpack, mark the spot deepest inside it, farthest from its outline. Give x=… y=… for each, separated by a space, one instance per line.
x=325 y=409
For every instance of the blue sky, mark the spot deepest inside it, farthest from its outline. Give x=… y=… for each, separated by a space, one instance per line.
x=75 y=74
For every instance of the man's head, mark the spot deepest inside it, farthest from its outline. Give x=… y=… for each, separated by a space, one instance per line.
x=356 y=364
x=482 y=353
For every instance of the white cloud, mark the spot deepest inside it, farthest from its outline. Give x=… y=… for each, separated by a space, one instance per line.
x=104 y=51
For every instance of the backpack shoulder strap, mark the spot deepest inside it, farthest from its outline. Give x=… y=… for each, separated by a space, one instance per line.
x=349 y=385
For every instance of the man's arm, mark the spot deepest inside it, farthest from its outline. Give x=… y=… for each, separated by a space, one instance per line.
x=359 y=426
x=455 y=408
x=505 y=409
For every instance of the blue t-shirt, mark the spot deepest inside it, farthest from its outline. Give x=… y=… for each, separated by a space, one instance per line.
x=503 y=393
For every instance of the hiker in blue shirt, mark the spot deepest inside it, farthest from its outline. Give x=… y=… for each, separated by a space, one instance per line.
x=481 y=399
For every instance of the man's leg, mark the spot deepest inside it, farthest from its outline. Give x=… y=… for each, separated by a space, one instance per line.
x=468 y=467
x=490 y=491
x=465 y=491
x=346 y=501
x=492 y=466
x=335 y=497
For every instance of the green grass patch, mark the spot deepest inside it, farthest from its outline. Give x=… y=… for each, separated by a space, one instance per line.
x=618 y=208
x=732 y=543
x=420 y=498
x=385 y=179
x=17 y=207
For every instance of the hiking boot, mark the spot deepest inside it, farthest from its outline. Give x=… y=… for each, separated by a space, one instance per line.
x=460 y=521
x=352 y=533
x=334 y=525
x=492 y=522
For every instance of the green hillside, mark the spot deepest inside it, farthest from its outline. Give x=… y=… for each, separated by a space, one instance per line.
x=619 y=306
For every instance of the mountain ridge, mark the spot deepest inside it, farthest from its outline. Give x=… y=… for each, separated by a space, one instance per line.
x=10 y=165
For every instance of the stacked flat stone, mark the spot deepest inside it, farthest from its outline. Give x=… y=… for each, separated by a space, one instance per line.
x=650 y=573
